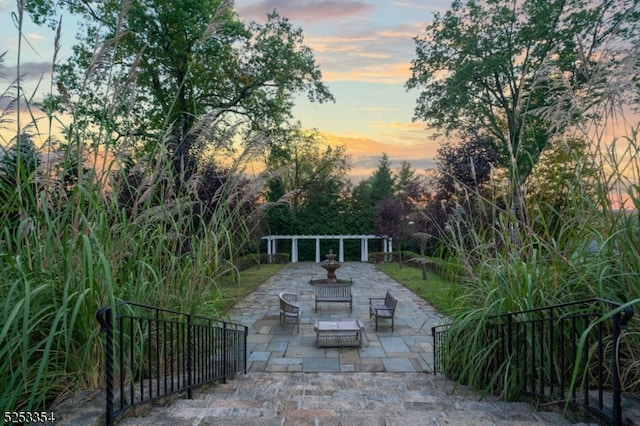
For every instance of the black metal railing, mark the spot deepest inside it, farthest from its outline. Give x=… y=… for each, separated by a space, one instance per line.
x=153 y=352
x=567 y=353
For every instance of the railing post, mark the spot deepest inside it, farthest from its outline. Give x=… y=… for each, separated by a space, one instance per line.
x=510 y=336
x=106 y=326
x=189 y=355
x=619 y=323
x=244 y=354
x=225 y=351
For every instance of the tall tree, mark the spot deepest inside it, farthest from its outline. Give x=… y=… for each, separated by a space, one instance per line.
x=189 y=59
x=409 y=183
x=382 y=181
x=313 y=181
x=490 y=64
x=368 y=194
x=395 y=220
x=410 y=197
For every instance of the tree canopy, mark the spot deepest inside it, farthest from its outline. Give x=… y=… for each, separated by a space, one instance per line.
x=312 y=181
x=493 y=66
x=468 y=164
x=174 y=64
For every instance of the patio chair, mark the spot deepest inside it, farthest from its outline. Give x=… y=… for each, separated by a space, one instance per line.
x=289 y=308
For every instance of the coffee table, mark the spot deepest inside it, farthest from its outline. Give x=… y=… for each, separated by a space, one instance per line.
x=338 y=333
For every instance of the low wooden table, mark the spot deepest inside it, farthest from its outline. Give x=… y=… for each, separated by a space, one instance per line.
x=338 y=333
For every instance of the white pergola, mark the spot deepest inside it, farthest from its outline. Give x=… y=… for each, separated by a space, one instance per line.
x=364 y=247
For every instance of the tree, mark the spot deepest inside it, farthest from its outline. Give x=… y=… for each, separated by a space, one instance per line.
x=313 y=181
x=189 y=60
x=467 y=164
x=394 y=219
x=382 y=181
x=491 y=65
x=461 y=188
x=368 y=194
x=565 y=187
x=411 y=196
x=410 y=184
x=361 y=214
x=279 y=217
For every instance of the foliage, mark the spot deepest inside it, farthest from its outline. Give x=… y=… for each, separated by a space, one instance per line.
x=308 y=186
x=492 y=65
x=409 y=184
x=466 y=165
x=72 y=241
x=382 y=181
x=18 y=165
x=550 y=101
x=564 y=170
x=188 y=61
x=394 y=221
x=589 y=254
x=464 y=183
x=368 y=194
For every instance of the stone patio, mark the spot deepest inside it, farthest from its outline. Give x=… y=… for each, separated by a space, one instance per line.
x=272 y=348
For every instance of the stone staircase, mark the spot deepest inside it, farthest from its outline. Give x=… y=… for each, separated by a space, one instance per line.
x=348 y=399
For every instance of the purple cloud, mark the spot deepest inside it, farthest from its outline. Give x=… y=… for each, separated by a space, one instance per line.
x=29 y=71
x=305 y=10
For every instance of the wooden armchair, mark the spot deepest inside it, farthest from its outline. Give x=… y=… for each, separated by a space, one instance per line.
x=387 y=309
x=289 y=308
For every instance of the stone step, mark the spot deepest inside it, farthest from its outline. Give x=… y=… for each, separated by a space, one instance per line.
x=347 y=399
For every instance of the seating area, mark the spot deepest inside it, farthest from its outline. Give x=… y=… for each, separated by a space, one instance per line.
x=341 y=331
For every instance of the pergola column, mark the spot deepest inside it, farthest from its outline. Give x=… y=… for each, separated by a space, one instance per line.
x=294 y=250
x=341 y=250
x=364 y=249
x=272 y=248
x=317 y=250
x=388 y=247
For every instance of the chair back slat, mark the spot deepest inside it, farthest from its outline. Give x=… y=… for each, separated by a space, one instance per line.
x=390 y=301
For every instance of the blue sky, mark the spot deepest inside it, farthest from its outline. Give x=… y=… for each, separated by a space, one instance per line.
x=363 y=47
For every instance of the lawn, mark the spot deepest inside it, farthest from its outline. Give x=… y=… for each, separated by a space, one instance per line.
x=233 y=288
x=434 y=290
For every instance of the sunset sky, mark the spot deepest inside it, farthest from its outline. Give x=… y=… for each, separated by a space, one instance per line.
x=363 y=48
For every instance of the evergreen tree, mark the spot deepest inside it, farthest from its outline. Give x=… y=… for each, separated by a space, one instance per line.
x=382 y=182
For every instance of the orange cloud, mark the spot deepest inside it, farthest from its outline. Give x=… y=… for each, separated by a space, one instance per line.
x=335 y=43
x=396 y=73
x=364 y=152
